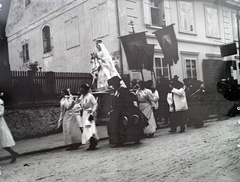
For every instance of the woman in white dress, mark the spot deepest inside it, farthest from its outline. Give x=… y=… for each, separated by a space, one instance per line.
x=155 y=104
x=145 y=100
x=77 y=111
x=6 y=138
x=68 y=120
x=89 y=107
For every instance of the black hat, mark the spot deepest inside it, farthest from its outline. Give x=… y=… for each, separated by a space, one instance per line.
x=114 y=80
x=177 y=85
x=149 y=84
x=175 y=77
x=98 y=41
x=142 y=83
x=65 y=91
x=85 y=86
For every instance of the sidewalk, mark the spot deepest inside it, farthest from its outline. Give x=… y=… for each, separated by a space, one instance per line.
x=44 y=144
x=48 y=143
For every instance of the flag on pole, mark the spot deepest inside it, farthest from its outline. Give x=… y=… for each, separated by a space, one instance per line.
x=133 y=45
x=148 y=56
x=168 y=42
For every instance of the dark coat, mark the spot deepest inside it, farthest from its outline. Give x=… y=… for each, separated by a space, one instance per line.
x=122 y=130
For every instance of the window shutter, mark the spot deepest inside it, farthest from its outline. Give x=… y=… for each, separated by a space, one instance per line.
x=21 y=54
x=147 y=12
x=99 y=20
x=94 y=21
x=234 y=22
x=103 y=19
x=215 y=22
x=72 y=32
x=190 y=21
x=186 y=17
x=212 y=22
x=182 y=9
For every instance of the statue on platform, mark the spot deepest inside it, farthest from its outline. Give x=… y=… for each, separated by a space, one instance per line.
x=103 y=67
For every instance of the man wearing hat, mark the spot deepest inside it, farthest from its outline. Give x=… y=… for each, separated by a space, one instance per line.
x=175 y=81
x=126 y=120
x=178 y=106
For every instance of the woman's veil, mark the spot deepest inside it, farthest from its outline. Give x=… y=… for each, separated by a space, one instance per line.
x=109 y=62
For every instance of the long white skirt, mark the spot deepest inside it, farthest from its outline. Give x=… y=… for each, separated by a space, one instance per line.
x=71 y=130
x=89 y=129
x=79 y=120
x=6 y=138
x=148 y=112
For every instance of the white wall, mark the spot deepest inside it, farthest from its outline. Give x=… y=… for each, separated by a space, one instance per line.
x=62 y=57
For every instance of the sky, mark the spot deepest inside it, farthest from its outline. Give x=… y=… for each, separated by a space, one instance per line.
x=4 y=7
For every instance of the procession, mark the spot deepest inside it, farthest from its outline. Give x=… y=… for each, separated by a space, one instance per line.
x=134 y=113
x=119 y=90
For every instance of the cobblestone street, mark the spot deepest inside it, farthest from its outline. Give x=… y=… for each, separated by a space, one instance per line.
x=207 y=154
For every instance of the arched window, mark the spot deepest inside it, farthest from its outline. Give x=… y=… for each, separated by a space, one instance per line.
x=46 y=39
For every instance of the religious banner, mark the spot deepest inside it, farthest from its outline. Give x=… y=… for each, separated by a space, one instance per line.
x=228 y=49
x=133 y=45
x=148 y=56
x=168 y=42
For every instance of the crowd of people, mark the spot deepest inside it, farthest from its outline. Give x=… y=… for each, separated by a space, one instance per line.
x=134 y=113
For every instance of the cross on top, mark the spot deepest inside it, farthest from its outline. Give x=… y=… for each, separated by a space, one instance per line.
x=132 y=24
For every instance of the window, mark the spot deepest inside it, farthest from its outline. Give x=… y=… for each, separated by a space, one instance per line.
x=191 y=68
x=212 y=22
x=235 y=29
x=99 y=20
x=186 y=17
x=162 y=68
x=25 y=53
x=190 y=64
x=72 y=32
x=27 y=2
x=154 y=12
x=46 y=39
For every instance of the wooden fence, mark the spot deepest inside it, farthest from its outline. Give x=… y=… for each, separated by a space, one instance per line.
x=42 y=87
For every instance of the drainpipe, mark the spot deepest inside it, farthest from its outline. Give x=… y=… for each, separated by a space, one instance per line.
x=119 y=32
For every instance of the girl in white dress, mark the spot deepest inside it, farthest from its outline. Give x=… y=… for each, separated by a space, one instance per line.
x=89 y=107
x=6 y=138
x=145 y=100
x=68 y=120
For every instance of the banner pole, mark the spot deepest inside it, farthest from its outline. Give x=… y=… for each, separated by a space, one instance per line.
x=154 y=75
x=170 y=73
x=142 y=73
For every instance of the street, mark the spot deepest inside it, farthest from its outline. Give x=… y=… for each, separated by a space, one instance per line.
x=208 y=154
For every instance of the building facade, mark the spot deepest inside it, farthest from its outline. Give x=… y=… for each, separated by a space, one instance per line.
x=60 y=35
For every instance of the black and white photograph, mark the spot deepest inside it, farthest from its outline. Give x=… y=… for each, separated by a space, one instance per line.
x=120 y=90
